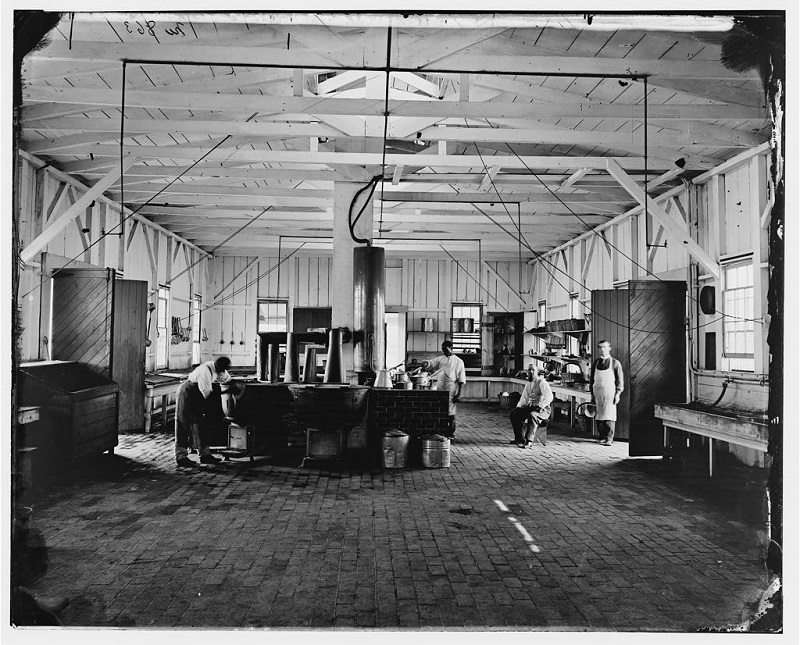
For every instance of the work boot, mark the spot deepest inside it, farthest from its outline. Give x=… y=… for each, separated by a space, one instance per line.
x=209 y=459
x=184 y=462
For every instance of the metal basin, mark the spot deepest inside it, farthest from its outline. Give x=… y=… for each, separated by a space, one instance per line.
x=329 y=406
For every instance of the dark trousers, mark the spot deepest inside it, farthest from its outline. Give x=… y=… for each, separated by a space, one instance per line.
x=605 y=429
x=451 y=426
x=189 y=404
x=518 y=417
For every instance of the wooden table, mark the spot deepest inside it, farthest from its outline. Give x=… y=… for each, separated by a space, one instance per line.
x=574 y=396
x=158 y=386
x=742 y=429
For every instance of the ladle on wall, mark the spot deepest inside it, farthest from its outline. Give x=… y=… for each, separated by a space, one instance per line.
x=232 y=343
x=241 y=342
x=221 y=327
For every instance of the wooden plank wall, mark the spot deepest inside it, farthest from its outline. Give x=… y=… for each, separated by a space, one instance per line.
x=43 y=197
x=610 y=308
x=723 y=213
x=423 y=287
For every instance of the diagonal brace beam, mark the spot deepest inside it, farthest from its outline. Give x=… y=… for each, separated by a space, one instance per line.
x=671 y=225
x=58 y=225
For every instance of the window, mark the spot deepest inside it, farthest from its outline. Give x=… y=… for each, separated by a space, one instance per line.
x=468 y=344
x=738 y=326
x=194 y=323
x=162 y=329
x=542 y=312
x=273 y=315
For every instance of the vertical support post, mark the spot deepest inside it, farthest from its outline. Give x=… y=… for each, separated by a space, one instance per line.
x=342 y=313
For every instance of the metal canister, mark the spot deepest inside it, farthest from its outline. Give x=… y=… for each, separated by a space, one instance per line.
x=435 y=451
x=395 y=449
x=456 y=325
x=468 y=325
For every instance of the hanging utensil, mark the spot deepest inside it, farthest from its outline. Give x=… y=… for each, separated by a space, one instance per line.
x=241 y=342
x=204 y=337
x=221 y=327
x=232 y=343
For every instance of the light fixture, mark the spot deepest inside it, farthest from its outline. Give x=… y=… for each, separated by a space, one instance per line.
x=418 y=141
x=322 y=139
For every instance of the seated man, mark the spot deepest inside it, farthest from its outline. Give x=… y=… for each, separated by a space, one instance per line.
x=534 y=404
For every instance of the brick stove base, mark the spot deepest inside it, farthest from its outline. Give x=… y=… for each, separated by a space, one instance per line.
x=415 y=412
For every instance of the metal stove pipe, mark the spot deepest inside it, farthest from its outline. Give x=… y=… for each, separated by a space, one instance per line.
x=369 y=284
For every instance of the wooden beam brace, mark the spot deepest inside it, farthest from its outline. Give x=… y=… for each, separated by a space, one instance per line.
x=234 y=278
x=168 y=272
x=463 y=87
x=672 y=226
x=131 y=233
x=50 y=233
x=188 y=254
x=588 y=261
x=488 y=178
x=62 y=192
x=398 y=172
x=151 y=255
x=501 y=280
x=576 y=176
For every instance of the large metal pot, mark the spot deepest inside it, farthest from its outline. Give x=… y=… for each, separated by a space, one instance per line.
x=456 y=325
x=468 y=325
x=421 y=380
x=427 y=324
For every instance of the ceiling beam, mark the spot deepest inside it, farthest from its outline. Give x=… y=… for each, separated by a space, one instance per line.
x=375 y=107
x=414 y=59
x=250 y=156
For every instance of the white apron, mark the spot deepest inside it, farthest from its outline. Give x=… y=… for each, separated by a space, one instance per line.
x=447 y=378
x=604 y=389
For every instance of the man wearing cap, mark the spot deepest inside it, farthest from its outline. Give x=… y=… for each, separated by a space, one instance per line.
x=451 y=376
x=534 y=404
x=607 y=384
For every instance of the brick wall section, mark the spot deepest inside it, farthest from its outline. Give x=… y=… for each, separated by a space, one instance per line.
x=415 y=412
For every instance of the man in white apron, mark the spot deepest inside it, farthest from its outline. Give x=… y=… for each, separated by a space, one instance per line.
x=451 y=376
x=607 y=385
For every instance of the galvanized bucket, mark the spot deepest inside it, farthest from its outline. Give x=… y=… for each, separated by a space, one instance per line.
x=435 y=451
x=395 y=449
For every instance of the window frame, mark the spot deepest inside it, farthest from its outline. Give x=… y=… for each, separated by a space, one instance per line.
x=162 y=340
x=738 y=306
x=272 y=301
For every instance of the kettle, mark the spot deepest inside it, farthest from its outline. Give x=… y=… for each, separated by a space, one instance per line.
x=383 y=381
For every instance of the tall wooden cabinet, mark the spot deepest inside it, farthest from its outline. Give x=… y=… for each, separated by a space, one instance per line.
x=101 y=322
x=645 y=325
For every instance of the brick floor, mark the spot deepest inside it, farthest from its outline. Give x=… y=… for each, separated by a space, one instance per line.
x=568 y=536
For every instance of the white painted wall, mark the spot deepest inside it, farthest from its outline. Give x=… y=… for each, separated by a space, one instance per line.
x=39 y=190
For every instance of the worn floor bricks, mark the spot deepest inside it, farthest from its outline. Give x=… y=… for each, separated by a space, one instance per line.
x=571 y=535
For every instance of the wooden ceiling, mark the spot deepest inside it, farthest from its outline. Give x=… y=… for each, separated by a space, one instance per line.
x=491 y=128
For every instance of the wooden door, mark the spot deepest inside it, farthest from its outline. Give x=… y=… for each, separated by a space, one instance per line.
x=128 y=350
x=657 y=368
x=82 y=317
x=610 y=322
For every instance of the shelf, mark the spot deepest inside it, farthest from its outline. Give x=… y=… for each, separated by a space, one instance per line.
x=420 y=331
x=564 y=360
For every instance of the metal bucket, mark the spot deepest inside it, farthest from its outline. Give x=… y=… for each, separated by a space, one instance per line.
x=427 y=324
x=456 y=325
x=468 y=325
x=395 y=449
x=435 y=451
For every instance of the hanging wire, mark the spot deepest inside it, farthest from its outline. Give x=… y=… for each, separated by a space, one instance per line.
x=133 y=212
